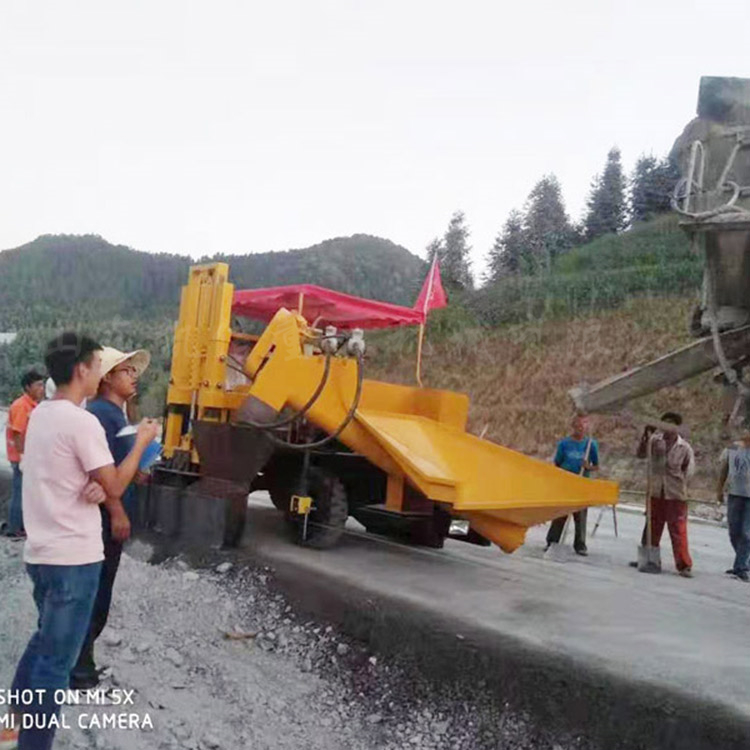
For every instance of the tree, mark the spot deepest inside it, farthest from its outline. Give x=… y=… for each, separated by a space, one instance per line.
x=547 y=229
x=607 y=209
x=510 y=253
x=455 y=264
x=435 y=246
x=651 y=186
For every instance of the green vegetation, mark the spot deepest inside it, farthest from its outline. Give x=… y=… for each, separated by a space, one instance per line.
x=75 y=280
x=653 y=258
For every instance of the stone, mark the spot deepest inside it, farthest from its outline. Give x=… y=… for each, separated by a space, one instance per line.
x=112 y=638
x=441 y=727
x=374 y=718
x=342 y=649
x=225 y=567
x=191 y=575
x=173 y=656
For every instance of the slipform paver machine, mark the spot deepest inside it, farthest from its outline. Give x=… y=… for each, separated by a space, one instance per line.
x=290 y=411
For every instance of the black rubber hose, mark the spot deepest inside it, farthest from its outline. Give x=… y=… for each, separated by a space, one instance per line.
x=344 y=424
x=297 y=415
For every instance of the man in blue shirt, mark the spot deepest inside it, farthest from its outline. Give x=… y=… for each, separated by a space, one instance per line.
x=571 y=455
x=120 y=373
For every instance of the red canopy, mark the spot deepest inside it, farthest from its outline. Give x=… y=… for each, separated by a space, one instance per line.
x=324 y=306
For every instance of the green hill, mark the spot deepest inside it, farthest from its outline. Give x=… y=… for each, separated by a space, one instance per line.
x=63 y=280
x=129 y=299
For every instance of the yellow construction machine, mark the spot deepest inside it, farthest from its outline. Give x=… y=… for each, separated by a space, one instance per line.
x=290 y=411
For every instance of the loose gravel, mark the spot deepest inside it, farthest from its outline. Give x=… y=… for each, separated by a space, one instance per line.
x=218 y=659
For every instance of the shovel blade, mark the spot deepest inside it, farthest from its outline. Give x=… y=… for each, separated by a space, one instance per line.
x=649 y=559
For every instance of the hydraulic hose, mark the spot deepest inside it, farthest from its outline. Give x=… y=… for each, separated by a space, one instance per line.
x=299 y=414
x=329 y=438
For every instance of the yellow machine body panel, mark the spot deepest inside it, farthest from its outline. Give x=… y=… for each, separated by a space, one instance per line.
x=494 y=488
x=416 y=436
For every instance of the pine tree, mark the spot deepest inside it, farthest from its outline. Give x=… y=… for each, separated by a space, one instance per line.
x=651 y=186
x=435 y=246
x=455 y=264
x=509 y=254
x=607 y=209
x=547 y=228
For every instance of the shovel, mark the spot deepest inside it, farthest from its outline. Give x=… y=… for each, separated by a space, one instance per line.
x=649 y=557
x=557 y=552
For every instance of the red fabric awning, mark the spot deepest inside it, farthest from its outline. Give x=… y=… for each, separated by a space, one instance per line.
x=325 y=306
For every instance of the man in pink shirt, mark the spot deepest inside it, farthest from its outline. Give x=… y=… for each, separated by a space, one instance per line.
x=68 y=469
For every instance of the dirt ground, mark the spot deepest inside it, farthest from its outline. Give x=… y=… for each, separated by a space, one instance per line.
x=293 y=683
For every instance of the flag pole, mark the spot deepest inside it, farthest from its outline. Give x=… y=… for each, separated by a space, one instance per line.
x=420 y=340
x=419 y=354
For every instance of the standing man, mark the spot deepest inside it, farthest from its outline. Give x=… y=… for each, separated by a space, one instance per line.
x=66 y=449
x=735 y=467
x=120 y=373
x=571 y=455
x=15 y=434
x=672 y=464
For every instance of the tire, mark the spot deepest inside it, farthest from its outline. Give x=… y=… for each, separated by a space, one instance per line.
x=325 y=524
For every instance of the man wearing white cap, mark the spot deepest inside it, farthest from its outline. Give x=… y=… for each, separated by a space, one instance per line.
x=120 y=373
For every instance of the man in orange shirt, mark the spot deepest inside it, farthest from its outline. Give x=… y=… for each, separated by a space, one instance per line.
x=15 y=434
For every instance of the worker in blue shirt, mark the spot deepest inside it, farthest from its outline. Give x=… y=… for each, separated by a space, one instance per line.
x=120 y=373
x=571 y=455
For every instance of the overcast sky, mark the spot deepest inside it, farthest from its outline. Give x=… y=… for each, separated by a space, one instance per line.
x=199 y=127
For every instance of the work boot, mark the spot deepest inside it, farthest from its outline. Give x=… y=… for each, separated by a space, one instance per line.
x=582 y=551
x=84 y=680
x=729 y=572
x=742 y=575
x=685 y=573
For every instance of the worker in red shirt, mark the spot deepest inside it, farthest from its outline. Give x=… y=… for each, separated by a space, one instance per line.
x=15 y=435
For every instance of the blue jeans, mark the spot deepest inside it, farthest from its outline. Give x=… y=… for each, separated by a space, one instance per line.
x=15 y=510
x=64 y=596
x=738 y=520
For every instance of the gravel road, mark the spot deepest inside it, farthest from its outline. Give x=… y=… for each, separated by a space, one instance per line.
x=282 y=681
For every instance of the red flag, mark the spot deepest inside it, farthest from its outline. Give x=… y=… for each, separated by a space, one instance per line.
x=432 y=295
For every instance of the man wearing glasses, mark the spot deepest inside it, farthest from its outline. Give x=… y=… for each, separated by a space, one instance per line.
x=120 y=373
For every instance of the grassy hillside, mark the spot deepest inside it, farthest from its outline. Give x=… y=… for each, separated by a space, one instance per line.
x=518 y=376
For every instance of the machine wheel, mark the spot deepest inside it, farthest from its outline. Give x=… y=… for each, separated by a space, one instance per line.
x=325 y=524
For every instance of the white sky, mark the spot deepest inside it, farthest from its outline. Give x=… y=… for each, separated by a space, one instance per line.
x=240 y=126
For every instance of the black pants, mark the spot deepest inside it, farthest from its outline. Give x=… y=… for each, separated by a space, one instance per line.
x=85 y=666
x=556 y=529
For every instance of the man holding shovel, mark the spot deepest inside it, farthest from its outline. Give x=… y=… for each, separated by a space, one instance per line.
x=670 y=463
x=579 y=454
